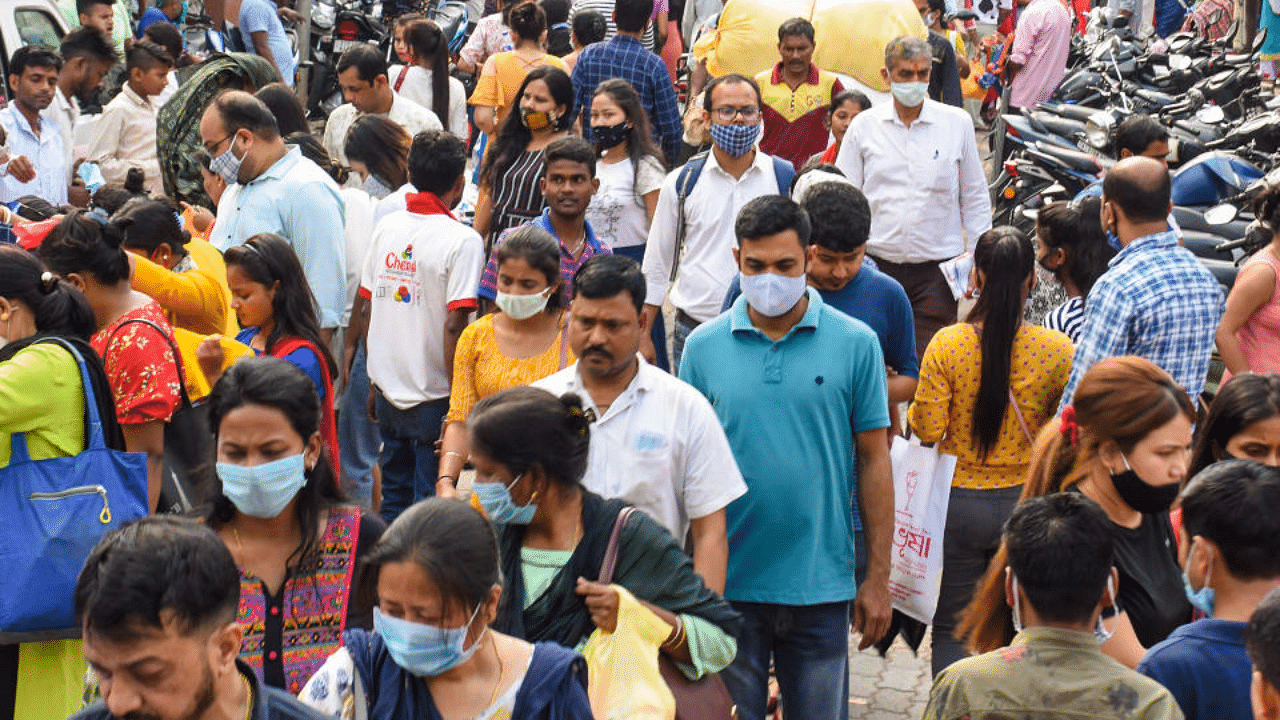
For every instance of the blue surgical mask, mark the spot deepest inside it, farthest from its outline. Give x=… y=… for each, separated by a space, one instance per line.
x=1201 y=599
x=498 y=505
x=425 y=650
x=910 y=94
x=735 y=140
x=263 y=491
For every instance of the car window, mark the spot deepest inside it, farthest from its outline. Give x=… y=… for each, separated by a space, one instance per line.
x=37 y=27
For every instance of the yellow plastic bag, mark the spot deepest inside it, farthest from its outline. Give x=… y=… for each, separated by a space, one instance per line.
x=198 y=387
x=851 y=35
x=623 y=666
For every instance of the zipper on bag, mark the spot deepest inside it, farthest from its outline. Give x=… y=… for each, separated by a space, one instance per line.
x=104 y=517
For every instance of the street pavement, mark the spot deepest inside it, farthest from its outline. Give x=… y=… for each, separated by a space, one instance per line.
x=895 y=687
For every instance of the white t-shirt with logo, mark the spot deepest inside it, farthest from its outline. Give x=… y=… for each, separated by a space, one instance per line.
x=617 y=213
x=419 y=267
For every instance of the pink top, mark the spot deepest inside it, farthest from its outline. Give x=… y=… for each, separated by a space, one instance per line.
x=1040 y=45
x=1260 y=335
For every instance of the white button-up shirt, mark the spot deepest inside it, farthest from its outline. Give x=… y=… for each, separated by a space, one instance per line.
x=65 y=113
x=45 y=152
x=707 y=265
x=925 y=183
x=659 y=446
x=404 y=112
x=125 y=138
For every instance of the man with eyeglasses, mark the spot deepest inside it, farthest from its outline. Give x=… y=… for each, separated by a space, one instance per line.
x=279 y=191
x=691 y=241
x=917 y=162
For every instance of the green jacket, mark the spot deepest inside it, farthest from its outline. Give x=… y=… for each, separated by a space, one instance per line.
x=1047 y=673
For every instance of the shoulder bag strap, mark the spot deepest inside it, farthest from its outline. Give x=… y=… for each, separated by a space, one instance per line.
x=1018 y=412
x=611 y=552
x=173 y=347
x=96 y=440
x=684 y=186
x=400 y=78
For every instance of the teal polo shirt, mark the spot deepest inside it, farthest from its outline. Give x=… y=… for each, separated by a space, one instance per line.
x=791 y=409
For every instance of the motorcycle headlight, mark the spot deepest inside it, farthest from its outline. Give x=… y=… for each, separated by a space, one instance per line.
x=1097 y=130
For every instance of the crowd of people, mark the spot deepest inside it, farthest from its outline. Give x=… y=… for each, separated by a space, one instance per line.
x=428 y=403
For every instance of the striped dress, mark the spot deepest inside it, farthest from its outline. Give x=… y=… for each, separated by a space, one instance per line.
x=517 y=199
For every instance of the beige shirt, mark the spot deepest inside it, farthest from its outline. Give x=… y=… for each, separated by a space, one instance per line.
x=126 y=138
x=404 y=112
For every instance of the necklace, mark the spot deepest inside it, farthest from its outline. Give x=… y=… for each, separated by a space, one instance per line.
x=248 y=697
x=501 y=672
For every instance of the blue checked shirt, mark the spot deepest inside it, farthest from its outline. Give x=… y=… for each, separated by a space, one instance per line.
x=625 y=57
x=1157 y=302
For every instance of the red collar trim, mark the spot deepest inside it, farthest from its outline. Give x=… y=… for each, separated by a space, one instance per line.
x=426 y=204
x=776 y=77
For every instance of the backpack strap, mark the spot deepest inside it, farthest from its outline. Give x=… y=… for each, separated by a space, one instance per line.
x=784 y=172
x=684 y=186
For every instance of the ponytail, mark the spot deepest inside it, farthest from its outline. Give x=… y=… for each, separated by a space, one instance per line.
x=1006 y=259
x=88 y=243
x=428 y=42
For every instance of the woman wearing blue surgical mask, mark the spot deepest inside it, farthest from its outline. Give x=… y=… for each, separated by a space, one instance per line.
x=278 y=508
x=523 y=342
x=530 y=451
x=432 y=654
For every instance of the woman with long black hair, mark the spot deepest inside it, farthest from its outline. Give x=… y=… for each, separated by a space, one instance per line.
x=274 y=305
x=278 y=508
x=42 y=395
x=425 y=78
x=986 y=387
x=513 y=165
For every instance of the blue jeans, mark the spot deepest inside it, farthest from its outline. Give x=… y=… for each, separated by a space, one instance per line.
x=358 y=437
x=678 y=337
x=408 y=460
x=809 y=646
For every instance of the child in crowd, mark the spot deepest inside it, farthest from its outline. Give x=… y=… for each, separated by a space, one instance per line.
x=126 y=135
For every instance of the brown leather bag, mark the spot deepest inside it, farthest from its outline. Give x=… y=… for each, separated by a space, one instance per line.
x=703 y=699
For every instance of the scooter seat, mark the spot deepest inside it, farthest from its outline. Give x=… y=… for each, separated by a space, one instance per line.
x=1073 y=159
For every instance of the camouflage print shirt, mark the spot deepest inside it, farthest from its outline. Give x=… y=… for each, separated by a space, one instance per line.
x=1047 y=673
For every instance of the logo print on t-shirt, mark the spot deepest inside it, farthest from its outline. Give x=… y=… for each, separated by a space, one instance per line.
x=408 y=253
x=402 y=295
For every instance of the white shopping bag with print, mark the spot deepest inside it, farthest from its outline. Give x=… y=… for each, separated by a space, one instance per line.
x=921 y=491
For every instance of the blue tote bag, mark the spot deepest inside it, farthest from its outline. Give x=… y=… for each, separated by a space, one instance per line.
x=52 y=514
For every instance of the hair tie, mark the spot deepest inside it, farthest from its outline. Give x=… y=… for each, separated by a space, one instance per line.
x=48 y=281
x=1070 y=428
x=584 y=418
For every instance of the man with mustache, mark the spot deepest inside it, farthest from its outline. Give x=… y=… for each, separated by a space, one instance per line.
x=35 y=162
x=656 y=441
x=157 y=601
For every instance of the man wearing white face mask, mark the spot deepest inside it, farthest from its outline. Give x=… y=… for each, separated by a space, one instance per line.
x=1059 y=580
x=801 y=392
x=917 y=162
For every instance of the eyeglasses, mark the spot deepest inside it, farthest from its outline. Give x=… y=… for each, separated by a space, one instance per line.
x=727 y=114
x=214 y=150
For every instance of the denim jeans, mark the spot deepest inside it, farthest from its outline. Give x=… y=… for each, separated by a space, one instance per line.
x=975 y=519
x=358 y=437
x=678 y=335
x=809 y=646
x=408 y=460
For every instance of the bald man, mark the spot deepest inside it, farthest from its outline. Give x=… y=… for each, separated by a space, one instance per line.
x=1156 y=300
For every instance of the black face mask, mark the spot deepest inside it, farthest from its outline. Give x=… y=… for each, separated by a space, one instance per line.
x=608 y=136
x=1141 y=496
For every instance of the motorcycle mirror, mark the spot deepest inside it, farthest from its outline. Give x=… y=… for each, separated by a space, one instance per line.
x=1179 y=62
x=1210 y=114
x=1221 y=214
